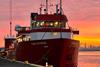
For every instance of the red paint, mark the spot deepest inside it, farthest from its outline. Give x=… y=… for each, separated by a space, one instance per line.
x=50 y=17
x=49 y=30
x=9 y=43
x=60 y=52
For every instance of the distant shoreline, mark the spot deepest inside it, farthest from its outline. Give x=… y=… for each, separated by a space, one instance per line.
x=88 y=50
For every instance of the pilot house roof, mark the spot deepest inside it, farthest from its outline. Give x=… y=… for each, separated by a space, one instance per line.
x=50 y=17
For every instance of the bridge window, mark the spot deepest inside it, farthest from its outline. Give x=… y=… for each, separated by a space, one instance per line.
x=53 y=24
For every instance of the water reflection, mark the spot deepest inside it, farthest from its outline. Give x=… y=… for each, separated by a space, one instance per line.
x=89 y=59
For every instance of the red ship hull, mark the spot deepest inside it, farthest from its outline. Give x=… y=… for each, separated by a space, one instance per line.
x=57 y=52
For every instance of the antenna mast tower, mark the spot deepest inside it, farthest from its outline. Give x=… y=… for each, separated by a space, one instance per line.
x=46 y=6
x=60 y=6
x=10 y=18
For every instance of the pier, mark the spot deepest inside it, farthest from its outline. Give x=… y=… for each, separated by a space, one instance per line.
x=12 y=63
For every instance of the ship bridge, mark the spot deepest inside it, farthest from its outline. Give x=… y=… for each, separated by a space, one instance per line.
x=46 y=26
x=48 y=20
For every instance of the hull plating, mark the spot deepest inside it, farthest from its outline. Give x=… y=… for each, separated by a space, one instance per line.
x=57 y=52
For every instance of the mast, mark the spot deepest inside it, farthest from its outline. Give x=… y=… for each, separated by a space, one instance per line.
x=57 y=9
x=10 y=18
x=46 y=6
x=60 y=6
x=10 y=28
x=40 y=10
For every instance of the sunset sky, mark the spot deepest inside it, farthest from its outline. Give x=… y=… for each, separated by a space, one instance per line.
x=82 y=14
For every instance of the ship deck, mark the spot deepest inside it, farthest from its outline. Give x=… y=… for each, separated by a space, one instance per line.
x=9 y=63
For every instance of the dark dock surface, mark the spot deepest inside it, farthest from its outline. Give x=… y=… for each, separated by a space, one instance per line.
x=9 y=63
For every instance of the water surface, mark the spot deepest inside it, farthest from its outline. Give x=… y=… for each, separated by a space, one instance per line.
x=89 y=59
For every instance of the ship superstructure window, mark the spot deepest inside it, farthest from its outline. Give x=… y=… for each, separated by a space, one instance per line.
x=33 y=24
x=42 y=23
x=26 y=38
x=55 y=33
x=19 y=28
x=56 y=24
x=22 y=38
x=51 y=24
x=19 y=39
x=37 y=24
x=48 y=20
